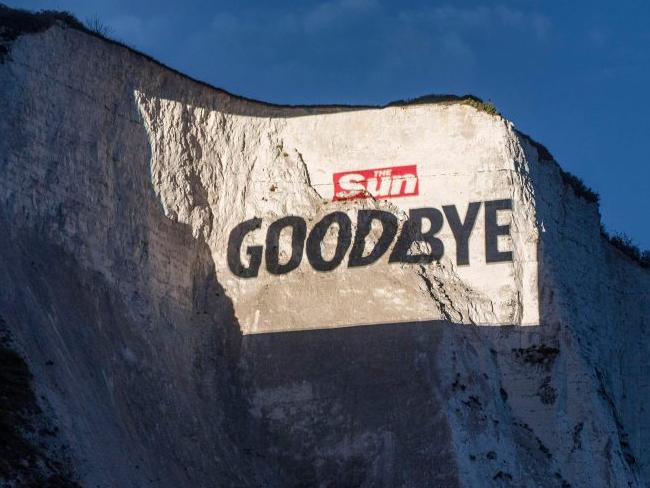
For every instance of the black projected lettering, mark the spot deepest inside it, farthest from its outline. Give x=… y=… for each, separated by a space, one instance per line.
x=412 y=232
x=494 y=230
x=317 y=235
x=235 y=241
x=364 y=226
x=403 y=251
x=272 y=254
x=462 y=230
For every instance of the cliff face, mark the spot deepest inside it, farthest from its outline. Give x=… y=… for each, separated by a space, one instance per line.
x=196 y=284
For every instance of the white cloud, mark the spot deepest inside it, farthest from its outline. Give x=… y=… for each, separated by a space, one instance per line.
x=449 y=18
x=323 y=15
x=139 y=32
x=328 y=13
x=459 y=31
x=541 y=25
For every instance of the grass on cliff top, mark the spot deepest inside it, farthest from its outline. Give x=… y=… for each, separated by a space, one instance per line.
x=487 y=107
x=15 y=22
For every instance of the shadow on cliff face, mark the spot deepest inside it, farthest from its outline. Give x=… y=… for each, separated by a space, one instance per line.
x=141 y=396
x=26 y=454
x=356 y=406
x=375 y=405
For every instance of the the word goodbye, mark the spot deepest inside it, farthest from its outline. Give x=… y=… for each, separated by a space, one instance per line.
x=411 y=232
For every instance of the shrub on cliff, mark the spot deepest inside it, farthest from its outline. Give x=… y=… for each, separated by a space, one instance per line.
x=579 y=187
x=14 y=22
x=626 y=245
x=471 y=100
x=98 y=27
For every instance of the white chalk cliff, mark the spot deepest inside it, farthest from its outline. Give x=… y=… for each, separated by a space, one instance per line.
x=121 y=184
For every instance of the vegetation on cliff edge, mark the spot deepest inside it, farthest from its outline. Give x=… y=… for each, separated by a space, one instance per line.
x=474 y=101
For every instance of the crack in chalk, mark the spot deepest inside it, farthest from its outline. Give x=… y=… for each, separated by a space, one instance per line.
x=434 y=291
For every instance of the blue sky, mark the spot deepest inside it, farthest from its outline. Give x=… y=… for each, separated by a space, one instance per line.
x=572 y=74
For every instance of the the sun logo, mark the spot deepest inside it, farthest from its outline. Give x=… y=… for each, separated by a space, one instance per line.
x=391 y=182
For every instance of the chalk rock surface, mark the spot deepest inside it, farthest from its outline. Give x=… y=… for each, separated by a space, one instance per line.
x=178 y=271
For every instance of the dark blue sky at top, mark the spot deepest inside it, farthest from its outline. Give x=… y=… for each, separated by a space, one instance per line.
x=574 y=75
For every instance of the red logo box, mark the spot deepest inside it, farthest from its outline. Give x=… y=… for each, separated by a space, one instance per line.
x=380 y=183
